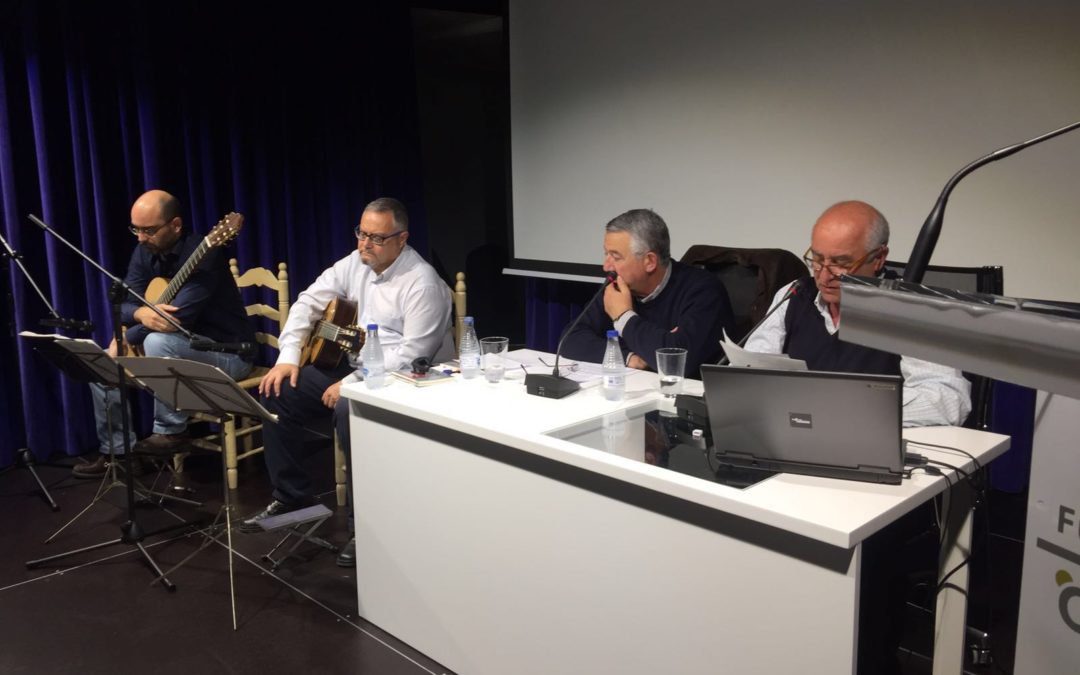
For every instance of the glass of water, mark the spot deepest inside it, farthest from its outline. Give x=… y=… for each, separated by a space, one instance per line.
x=492 y=350
x=671 y=364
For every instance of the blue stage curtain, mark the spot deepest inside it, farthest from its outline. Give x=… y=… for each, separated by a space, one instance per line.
x=550 y=306
x=295 y=116
x=1012 y=413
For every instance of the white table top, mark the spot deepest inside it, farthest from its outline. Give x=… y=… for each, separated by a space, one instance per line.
x=838 y=512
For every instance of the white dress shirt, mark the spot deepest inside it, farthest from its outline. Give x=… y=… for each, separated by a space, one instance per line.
x=408 y=301
x=934 y=395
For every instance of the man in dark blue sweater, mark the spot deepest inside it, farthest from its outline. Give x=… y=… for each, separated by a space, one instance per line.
x=208 y=304
x=654 y=302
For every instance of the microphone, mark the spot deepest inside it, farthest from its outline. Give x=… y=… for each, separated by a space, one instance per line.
x=928 y=235
x=794 y=288
x=555 y=385
x=68 y=324
x=204 y=345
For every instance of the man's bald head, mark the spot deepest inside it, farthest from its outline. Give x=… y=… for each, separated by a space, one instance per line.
x=157 y=205
x=155 y=218
x=848 y=238
x=856 y=216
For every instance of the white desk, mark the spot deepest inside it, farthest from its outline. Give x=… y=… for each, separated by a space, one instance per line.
x=494 y=548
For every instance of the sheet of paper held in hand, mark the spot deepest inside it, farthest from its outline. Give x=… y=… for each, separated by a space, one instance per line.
x=737 y=356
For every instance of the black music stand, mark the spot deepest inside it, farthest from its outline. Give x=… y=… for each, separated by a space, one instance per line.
x=84 y=361
x=192 y=386
x=9 y=257
x=131 y=532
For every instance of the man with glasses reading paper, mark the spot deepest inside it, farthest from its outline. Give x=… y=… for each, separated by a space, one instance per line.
x=393 y=287
x=852 y=238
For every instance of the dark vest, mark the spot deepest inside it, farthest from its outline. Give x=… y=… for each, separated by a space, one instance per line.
x=807 y=339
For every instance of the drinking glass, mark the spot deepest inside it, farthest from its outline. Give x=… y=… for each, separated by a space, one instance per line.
x=492 y=350
x=671 y=364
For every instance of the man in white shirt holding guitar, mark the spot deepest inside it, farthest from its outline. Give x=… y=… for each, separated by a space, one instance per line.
x=392 y=286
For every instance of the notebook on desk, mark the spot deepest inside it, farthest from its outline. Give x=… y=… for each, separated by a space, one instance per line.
x=837 y=425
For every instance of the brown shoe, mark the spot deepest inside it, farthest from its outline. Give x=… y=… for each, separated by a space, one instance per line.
x=162 y=444
x=94 y=469
x=140 y=466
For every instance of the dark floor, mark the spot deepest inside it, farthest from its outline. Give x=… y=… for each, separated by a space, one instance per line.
x=99 y=612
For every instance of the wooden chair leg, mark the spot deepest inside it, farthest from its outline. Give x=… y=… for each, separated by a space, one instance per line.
x=230 y=451
x=249 y=442
x=178 y=462
x=339 y=472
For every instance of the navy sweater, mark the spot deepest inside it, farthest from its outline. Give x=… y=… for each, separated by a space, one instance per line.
x=209 y=302
x=690 y=312
x=808 y=339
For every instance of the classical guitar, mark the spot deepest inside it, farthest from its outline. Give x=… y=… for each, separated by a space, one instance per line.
x=163 y=291
x=333 y=336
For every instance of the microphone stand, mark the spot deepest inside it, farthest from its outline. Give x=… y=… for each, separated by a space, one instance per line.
x=931 y=229
x=555 y=385
x=9 y=256
x=792 y=290
x=131 y=533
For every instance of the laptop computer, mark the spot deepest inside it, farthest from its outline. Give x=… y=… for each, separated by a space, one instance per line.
x=837 y=425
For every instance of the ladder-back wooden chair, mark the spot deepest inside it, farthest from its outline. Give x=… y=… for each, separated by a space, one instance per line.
x=239 y=433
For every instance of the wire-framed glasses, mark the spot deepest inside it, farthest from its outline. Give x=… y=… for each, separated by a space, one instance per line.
x=838 y=268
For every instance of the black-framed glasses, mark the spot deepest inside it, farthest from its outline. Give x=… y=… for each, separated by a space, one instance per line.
x=569 y=367
x=148 y=231
x=377 y=239
x=838 y=269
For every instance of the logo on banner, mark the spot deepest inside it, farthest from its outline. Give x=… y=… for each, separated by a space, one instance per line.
x=1069 y=594
x=1070 y=591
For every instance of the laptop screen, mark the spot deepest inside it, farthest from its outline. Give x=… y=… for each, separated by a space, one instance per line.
x=838 y=425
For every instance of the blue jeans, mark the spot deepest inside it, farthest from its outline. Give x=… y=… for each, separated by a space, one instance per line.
x=166 y=420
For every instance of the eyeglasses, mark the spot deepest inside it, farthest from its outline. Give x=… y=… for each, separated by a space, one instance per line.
x=377 y=239
x=569 y=367
x=148 y=231
x=838 y=269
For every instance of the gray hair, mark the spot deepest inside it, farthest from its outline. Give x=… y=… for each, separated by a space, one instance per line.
x=648 y=232
x=389 y=204
x=878 y=233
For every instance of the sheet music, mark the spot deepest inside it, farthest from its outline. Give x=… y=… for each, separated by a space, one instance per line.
x=585 y=374
x=51 y=336
x=80 y=358
x=737 y=356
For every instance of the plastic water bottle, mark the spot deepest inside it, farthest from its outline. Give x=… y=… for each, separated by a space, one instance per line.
x=469 y=351
x=614 y=370
x=371 y=356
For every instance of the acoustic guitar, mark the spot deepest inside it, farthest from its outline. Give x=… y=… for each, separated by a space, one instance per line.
x=333 y=336
x=163 y=291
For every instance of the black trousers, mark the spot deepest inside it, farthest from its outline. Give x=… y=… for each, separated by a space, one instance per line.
x=301 y=412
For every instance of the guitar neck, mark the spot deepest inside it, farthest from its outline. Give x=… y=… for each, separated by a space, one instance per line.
x=182 y=275
x=341 y=337
x=326 y=330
